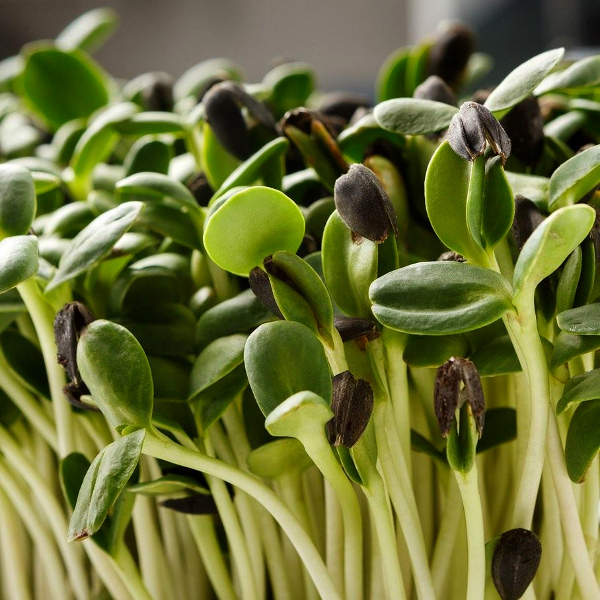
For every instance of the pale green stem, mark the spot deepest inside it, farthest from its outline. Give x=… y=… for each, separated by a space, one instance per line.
x=203 y=530
x=396 y=372
x=27 y=403
x=267 y=532
x=15 y=581
x=334 y=536
x=42 y=315
x=289 y=486
x=573 y=533
x=381 y=514
x=235 y=536
x=591 y=503
x=108 y=570
x=551 y=537
x=170 y=452
x=469 y=491
x=322 y=455
x=446 y=538
x=522 y=329
x=130 y=574
x=197 y=582
x=169 y=534
x=313 y=487
x=38 y=531
x=247 y=516
x=151 y=556
x=72 y=555
x=395 y=473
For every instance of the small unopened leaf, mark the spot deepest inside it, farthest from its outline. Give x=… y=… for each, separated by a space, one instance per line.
x=105 y=480
x=550 y=244
x=447 y=203
x=95 y=241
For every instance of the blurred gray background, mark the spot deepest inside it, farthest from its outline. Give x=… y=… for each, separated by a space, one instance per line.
x=345 y=40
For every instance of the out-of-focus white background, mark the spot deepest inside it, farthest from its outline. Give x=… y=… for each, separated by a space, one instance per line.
x=345 y=40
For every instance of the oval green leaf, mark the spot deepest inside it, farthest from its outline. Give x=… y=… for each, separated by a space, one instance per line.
x=89 y=31
x=251 y=225
x=17 y=200
x=284 y=358
x=520 y=82
x=580 y=388
x=82 y=90
x=413 y=116
x=158 y=185
x=115 y=369
x=583 y=320
x=19 y=260
x=583 y=440
x=582 y=74
x=550 y=244
x=440 y=298
x=575 y=178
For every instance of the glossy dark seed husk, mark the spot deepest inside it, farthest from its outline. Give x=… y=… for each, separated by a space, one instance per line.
x=515 y=562
x=448 y=397
x=352 y=403
x=364 y=205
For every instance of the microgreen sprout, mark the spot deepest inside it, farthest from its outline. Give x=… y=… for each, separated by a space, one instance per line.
x=259 y=341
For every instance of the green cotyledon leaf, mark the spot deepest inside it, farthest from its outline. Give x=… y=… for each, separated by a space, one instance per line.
x=440 y=298
x=116 y=371
x=105 y=480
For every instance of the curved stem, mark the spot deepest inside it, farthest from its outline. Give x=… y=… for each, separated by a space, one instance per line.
x=322 y=455
x=469 y=491
x=382 y=519
x=522 y=329
x=399 y=488
x=166 y=450
x=27 y=403
x=235 y=536
x=42 y=315
x=72 y=555
x=38 y=531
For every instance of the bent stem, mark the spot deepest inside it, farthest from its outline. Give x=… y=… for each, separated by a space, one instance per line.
x=522 y=329
x=322 y=455
x=164 y=449
x=42 y=315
